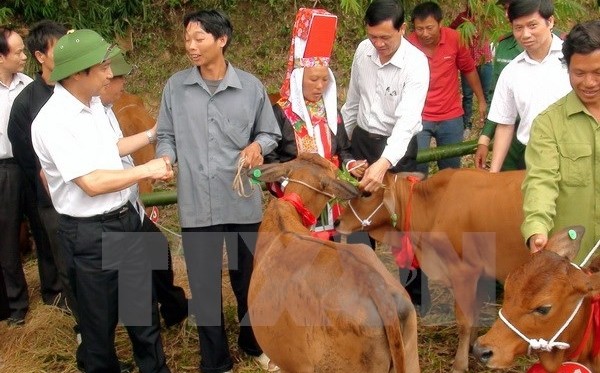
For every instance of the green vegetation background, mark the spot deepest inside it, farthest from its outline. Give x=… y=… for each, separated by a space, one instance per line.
x=152 y=30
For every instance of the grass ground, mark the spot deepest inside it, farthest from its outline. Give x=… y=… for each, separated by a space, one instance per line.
x=46 y=344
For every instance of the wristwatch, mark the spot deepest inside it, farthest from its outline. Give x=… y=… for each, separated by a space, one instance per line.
x=151 y=137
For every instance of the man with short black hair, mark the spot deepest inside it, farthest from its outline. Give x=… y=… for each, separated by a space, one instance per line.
x=89 y=189
x=505 y=51
x=12 y=82
x=563 y=155
x=40 y=213
x=385 y=98
x=447 y=56
x=532 y=81
x=382 y=113
x=214 y=119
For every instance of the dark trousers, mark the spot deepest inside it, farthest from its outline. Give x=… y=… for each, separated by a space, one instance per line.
x=172 y=300
x=49 y=218
x=11 y=212
x=369 y=146
x=4 y=310
x=50 y=283
x=87 y=242
x=203 y=250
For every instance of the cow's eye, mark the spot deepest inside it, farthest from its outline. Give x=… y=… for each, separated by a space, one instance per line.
x=366 y=194
x=543 y=310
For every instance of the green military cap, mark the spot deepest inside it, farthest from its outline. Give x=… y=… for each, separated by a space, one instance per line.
x=119 y=66
x=79 y=50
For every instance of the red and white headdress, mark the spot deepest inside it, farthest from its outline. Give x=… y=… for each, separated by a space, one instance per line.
x=312 y=42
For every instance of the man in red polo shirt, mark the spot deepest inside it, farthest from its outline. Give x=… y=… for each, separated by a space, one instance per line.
x=447 y=56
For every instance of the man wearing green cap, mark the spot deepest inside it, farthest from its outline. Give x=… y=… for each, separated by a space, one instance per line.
x=89 y=188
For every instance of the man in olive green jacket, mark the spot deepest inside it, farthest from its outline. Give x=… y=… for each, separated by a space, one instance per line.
x=562 y=182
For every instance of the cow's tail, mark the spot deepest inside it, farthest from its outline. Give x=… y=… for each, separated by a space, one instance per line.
x=386 y=306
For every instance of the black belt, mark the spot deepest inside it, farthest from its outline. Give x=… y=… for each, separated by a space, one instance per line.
x=8 y=161
x=112 y=215
x=372 y=136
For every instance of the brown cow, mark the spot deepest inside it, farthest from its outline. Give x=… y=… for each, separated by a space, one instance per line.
x=321 y=306
x=134 y=118
x=465 y=224
x=539 y=299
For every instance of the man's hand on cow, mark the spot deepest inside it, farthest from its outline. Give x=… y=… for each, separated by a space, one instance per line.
x=357 y=167
x=252 y=155
x=537 y=242
x=481 y=154
x=373 y=177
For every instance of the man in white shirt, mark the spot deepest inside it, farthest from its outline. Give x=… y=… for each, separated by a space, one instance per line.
x=386 y=95
x=89 y=188
x=384 y=107
x=12 y=81
x=531 y=82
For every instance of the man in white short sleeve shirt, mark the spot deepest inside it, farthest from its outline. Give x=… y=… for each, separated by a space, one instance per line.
x=82 y=164
x=531 y=82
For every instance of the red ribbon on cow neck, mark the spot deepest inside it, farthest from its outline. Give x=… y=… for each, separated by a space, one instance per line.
x=308 y=219
x=593 y=323
x=405 y=257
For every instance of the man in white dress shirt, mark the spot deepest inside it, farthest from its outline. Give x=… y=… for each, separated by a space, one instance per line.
x=386 y=95
x=384 y=107
x=12 y=81
x=532 y=81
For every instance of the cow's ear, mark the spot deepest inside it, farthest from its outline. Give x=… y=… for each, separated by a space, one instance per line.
x=270 y=173
x=341 y=189
x=566 y=242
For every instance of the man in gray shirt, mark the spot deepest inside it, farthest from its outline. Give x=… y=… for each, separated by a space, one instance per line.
x=214 y=117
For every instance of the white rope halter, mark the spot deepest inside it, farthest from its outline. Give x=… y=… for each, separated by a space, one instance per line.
x=366 y=222
x=542 y=344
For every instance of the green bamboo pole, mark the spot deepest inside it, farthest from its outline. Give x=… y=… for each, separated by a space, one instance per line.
x=169 y=197
x=447 y=151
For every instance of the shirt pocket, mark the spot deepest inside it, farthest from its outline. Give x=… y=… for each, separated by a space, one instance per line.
x=390 y=101
x=576 y=164
x=238 y=131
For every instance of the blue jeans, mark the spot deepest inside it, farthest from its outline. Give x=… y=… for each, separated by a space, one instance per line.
x=485 y=76
x=445 y=132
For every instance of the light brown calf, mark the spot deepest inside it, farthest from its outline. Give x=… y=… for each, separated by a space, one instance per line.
x=320 y=306
x=464 y=225
x=539 y=298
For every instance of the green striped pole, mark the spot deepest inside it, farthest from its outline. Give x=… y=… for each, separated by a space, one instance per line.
x=169 y=197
